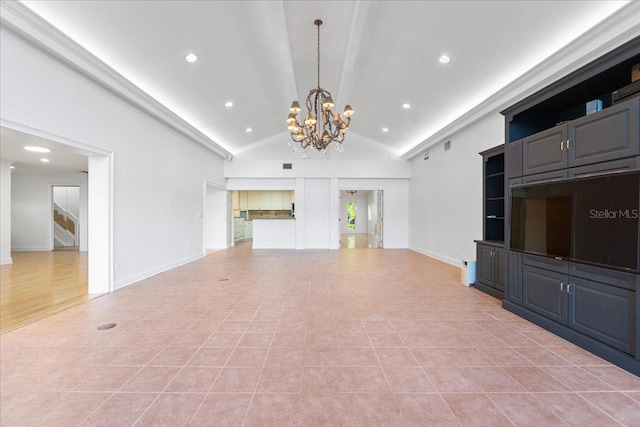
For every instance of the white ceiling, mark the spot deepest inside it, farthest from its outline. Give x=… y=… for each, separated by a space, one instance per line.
x=61 y=158
x=375 y=56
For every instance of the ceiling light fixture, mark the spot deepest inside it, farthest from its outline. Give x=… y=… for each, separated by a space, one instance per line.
x=352 y=192
x=228 y=104
x=191 y=57
x=44 y=160
x=248 y=130
x=12 y=167
x=385 y=129
x=445 y=59
x=406 y=106
x=36 y=149
x=320 y=126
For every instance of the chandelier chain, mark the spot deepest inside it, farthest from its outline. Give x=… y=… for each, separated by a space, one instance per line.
x=318 y=25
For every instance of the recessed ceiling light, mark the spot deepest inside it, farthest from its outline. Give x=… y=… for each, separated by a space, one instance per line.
x=228 y=104
x=12 y=167
x=248 y=130
x=406 y=106
x=44 y=160
x=36 y=149
x=385 y=129
x=191 y=57
x=445 y=59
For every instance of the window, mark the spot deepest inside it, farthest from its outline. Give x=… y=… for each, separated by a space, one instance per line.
x=351 y=215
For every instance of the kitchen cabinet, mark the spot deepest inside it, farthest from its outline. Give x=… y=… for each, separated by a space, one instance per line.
x=253 y=200
x=244 y=204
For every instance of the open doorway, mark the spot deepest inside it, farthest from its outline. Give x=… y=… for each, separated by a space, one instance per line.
x=39 y=280
x=215 y=219
x=66 y=217
x=360 y=219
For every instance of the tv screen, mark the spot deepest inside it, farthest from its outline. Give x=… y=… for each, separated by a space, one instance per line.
x=590 y=220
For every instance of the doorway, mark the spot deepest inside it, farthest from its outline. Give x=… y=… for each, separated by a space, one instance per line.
x=65 y=217
x=215 y=218
x=361 y=219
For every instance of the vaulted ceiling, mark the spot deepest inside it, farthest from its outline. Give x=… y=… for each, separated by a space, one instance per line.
x=375 y=56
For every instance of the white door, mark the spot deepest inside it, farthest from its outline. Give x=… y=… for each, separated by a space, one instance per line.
x=379 y=222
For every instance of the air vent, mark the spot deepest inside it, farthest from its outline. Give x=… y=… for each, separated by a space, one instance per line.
x=447 y=145
x=287 y=166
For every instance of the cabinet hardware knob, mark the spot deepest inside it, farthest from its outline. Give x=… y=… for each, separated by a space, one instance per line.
x=561 y=145
x=562 y=287
x=569 y=144
x=569 y=288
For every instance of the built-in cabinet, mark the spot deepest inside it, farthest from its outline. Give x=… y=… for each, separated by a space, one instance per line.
x=490 y=253
x=603 y=136
x=598 y=310
x=490 y=268
x=550 y=137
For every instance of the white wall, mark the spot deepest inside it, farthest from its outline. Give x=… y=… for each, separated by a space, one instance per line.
x=31 y=209
x=158 y=173
x=5 y=211
x=317 y=215
x=445 y=209
x=317 y=221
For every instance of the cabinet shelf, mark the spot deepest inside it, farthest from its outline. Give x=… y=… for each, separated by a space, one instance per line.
x=493 y=175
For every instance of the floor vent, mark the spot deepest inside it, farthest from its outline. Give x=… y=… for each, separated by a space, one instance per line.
x=106 y=326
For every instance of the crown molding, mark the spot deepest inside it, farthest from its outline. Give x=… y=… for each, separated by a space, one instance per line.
x=33 y=28
x=612 y=32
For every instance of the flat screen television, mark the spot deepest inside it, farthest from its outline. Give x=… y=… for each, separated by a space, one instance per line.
x=591 y=220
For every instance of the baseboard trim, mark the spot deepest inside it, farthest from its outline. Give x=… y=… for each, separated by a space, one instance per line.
x=4 y=261
x=131 y=279
x=31 y=249
x=439 y=257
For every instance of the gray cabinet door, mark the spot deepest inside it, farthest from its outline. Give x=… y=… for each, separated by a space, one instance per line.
x=484 y=265
x=499 y=268
x=541 y=293
x=544 y=151
x=603 y=312
x=605 y=168
x=515 y=278
x=607 y=135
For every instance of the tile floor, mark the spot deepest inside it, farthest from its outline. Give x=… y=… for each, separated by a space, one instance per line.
x=304 y=338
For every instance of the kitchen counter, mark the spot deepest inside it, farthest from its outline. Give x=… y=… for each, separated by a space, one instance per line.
x=274 y=233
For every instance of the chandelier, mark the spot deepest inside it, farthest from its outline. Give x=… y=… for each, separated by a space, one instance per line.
x=320 y=126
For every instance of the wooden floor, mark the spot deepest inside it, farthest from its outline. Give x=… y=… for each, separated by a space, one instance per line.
x=39 y=284
x=357 y=241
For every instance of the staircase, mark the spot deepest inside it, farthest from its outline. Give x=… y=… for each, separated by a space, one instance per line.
x=65 y=227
